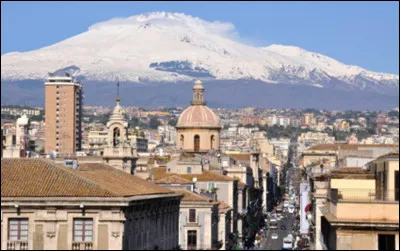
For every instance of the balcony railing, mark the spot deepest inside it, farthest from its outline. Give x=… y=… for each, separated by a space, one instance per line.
x=363 y=195
x=17 y=245
x=82 y=246
x=318 y=170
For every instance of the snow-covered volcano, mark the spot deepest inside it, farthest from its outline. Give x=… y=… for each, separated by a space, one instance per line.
x=174 y=47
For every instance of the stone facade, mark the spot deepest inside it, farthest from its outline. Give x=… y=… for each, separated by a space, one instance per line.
x=208 y=138
x=92 y=206
x=115 y=227
x=205 y=225
x=362 y=211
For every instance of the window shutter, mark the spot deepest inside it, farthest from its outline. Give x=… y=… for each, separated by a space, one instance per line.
x=192 y=215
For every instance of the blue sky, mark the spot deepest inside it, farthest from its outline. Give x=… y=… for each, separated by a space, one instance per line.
x=358 y=33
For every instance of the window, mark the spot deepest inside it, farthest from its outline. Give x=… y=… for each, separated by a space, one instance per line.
x=197 y=143
x=188 y=169
x=211 y=187
x=192 y=215
x=192 y=240
x=83 y=230
x=18 y=230
x=116 y=136
x=182 y=140
x=386 y=242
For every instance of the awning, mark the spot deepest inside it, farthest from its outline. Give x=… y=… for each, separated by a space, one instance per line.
x=308 y=208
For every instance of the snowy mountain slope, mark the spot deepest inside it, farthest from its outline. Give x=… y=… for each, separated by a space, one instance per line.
x=174 y=47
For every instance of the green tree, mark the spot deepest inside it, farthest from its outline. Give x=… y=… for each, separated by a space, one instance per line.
x=37 y=117
x=154 y=123
x=172 y=122
x=393 y=114
x=134 y=122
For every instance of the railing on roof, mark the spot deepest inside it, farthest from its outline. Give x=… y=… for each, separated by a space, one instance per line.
x=318 y=170
x=363 y=195
x=210 y=194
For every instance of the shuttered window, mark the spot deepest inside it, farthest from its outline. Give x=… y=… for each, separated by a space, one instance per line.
x=192 y=215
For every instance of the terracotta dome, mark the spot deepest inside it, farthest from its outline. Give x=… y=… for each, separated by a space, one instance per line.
x=198 y=116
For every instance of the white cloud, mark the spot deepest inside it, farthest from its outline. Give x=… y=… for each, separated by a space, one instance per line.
x=172 y=19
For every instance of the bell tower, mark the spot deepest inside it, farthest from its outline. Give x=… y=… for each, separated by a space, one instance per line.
x=118 y=151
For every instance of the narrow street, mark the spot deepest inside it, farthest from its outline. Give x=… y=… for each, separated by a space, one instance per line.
x=289 y=219
x=269 y=243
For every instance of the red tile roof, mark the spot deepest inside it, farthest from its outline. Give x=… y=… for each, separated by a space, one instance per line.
x=223 y=207
x=160 y=173
x=191 y=196
x=174 y=179
x=239 y=157
x=43 y=178
x=335 y=147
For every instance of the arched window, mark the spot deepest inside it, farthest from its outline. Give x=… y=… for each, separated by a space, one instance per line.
x=197 y=143
x=212 y=140
x=182 y=140
x=116 y=136
x=188 y=169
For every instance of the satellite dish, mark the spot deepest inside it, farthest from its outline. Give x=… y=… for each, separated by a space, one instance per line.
x=53 y=154
x=194 y=179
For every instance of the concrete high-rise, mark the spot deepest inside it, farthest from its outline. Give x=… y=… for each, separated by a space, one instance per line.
x=308 y=119
x=63 y=114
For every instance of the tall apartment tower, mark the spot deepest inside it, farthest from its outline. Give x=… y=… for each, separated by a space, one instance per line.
x=63 y=114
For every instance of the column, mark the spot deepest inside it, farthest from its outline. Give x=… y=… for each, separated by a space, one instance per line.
x=264 y=199
x=318 y=245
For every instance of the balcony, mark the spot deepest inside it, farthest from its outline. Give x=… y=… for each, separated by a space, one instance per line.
x=318 y=170
x=364 y=205
x=82 y=246
x=17 y=245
